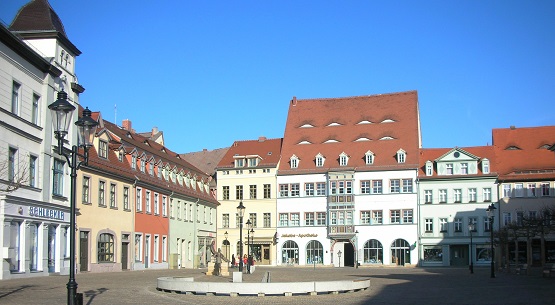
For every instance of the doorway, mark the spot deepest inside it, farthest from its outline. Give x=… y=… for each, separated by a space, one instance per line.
x=400 y=252
x=348 y=255
x=124 y=256
x=458 y=255
x=83 y=251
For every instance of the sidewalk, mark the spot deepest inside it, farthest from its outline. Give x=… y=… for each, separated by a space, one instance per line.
x=389 y=285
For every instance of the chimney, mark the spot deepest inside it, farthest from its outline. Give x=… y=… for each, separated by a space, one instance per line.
x=261 y=139
x=154 y=130
x=294 y=101
x=513 y=127
x=126 y=124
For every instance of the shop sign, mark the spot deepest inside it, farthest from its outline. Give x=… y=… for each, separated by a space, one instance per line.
x=46 y=213
x=300 y=235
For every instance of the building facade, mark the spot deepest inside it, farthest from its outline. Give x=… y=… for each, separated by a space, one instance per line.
x=346 y=181
x=37 y=60
x=526 y=186
x=455 y=188
x=247 y=174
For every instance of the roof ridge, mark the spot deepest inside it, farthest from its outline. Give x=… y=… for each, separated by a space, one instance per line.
x=359 y=96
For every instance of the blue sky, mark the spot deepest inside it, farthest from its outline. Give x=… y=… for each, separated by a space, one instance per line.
x=208 y=73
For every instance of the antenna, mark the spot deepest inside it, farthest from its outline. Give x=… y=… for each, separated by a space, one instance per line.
x=116 y=114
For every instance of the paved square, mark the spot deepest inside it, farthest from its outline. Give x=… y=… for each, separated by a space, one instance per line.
x=388 y=286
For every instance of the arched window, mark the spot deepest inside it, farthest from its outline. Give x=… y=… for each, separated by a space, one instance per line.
x=290 y=253
x=314 y=253
x=373 y=252
x=106 y=248
x=400 y=252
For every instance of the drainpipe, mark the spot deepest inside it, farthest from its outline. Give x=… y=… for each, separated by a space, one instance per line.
x=195 y=235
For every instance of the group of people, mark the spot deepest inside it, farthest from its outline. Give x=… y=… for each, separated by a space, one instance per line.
x=247 y=261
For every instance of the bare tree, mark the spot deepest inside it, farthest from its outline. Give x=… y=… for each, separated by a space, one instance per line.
x=13 y=175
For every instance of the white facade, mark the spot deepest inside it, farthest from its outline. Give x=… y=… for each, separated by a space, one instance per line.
x=449 y=202
x=357 y=237
x=35 y=216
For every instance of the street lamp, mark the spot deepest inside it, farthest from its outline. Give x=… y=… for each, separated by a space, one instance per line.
x=339 y=255
x=240 y=212
x=356 y=249
x=471 y=227
x=491 y=211
x=226 y=243
x=251 y=259
x=62 y=112
x=249 y=224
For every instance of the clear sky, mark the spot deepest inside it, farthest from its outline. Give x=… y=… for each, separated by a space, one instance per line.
x=208 y=73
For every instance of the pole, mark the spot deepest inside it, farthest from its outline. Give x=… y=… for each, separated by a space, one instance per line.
x=72 y=284
x=471 y=258
x=248 y=250
x=240 y=243
x=492 y=256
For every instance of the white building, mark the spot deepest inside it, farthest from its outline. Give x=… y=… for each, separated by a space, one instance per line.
x=455 y=188
x=346 y=181
x=37 y=61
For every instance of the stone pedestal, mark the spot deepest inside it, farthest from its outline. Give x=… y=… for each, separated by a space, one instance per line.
x=223 y=272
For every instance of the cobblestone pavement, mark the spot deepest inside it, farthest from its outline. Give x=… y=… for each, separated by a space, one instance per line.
x=388 y=286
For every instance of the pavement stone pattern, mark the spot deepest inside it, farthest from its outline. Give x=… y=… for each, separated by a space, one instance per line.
x=389 y=285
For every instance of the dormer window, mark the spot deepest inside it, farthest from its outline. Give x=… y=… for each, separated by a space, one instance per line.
x=343 y=159
x=369 y=158
x=294 y=161
x=103 y=149
x=320 y=160
x=333 y=124
x=485 y=166
x=429 y=168
x=143 y=165
x=151 y=168
x=134 y=161
x=239 y=162
x=120 y=155
x=159 y=170
x=253 y=162
x=401 y=156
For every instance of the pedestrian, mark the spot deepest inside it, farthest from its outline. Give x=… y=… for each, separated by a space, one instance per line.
x=233 y=262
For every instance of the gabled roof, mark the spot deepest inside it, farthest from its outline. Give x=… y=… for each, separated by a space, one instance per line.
x=206 y=160
x=136 y=144
x=478 y=152
x=523 y=153
x=382 y=123
x=267 y=149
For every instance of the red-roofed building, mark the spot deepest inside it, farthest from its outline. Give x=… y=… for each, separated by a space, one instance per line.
x=142 y=205
x=247 y=173
x=456 y=186
x=526 y=166
x=346 y=181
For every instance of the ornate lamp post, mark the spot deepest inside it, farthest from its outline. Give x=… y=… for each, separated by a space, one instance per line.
x=471 y=227
x=62 y=112
x=240 y=212
x=491 y=211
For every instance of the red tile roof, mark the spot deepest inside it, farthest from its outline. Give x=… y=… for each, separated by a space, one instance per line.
x=350 y=121
x=431 y=154
x=149 y=149
x=523 y=153
x=268 y=150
